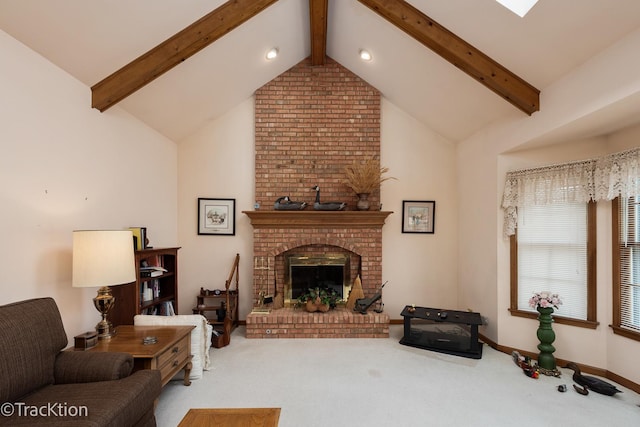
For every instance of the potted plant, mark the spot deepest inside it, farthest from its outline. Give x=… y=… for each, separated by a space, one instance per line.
x=365 y=178
x=318 y=299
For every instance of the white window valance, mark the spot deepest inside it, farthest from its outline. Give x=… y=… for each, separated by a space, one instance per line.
x=604 y=178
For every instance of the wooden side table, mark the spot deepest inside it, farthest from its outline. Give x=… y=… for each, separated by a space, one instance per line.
x=170 y=354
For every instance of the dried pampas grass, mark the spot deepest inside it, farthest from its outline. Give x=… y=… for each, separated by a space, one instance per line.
x=365 y=177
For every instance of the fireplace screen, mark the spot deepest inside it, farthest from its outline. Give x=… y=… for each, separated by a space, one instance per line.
x=324 y=271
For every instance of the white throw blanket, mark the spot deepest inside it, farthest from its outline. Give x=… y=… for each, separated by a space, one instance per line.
x=200 y=337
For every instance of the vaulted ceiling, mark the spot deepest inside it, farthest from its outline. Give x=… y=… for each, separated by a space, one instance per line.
x=454 y=65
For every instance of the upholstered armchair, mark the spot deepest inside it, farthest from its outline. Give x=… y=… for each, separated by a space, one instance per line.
x=41 y=384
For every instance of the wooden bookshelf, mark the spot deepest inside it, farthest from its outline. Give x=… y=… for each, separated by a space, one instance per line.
x=130 y=299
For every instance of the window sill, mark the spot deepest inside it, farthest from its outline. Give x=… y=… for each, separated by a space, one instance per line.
x=627 y=333
x=589 y=324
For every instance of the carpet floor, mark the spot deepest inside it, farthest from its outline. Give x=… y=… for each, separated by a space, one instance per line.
x=379 y=382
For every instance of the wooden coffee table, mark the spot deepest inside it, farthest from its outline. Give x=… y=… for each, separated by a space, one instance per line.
x=169 y=355
x=231 y=417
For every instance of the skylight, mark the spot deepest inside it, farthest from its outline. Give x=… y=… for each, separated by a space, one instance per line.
x=519 y=7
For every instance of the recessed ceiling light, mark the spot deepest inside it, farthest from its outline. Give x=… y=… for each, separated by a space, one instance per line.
x=519 y=7
x=365 y=55
x=272 y=53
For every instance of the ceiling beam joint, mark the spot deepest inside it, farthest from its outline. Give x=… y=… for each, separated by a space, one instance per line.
x=318 y=17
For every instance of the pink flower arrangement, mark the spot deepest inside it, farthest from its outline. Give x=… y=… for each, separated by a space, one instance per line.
x=544 y=300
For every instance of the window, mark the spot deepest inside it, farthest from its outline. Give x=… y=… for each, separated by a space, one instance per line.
x=626 y=266
x=519 y=7
x=554 y=250
x=530 y=198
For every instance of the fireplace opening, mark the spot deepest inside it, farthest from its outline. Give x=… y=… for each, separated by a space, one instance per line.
x=325 y=271
x=303 y=277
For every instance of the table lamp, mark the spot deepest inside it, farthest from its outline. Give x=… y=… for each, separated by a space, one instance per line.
x=103 y=258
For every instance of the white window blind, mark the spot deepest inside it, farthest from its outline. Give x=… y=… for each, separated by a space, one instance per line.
x=629 y=247
x=552 y=255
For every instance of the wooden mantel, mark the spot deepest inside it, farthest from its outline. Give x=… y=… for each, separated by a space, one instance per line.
x=304 y=219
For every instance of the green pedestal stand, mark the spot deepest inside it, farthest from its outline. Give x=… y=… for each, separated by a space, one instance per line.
x=545 y=333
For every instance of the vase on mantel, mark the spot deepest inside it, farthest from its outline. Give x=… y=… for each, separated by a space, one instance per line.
x=546 y=336
x=363 y=202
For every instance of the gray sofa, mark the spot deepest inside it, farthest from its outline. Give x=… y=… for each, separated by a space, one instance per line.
x=42 y=385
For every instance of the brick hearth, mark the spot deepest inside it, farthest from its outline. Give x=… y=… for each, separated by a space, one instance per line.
x=338 y=323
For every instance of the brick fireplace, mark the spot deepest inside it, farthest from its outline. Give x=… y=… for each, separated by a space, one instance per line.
x=311 y=122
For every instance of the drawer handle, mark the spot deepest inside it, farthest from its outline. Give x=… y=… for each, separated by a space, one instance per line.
x=175 y=350
x=175 y=363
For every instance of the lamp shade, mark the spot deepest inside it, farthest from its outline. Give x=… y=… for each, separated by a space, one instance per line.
x=103 y=258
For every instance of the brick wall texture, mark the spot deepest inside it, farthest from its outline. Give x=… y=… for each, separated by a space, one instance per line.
x=311 y=122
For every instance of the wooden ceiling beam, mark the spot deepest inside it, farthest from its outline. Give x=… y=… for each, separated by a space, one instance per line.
x=458 y=52
x=318 y=16
x=173 y=51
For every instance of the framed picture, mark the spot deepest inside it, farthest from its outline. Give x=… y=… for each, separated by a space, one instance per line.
x=217 y=216
x=418 y=216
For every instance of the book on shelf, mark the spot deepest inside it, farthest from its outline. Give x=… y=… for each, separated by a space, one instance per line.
x=151 y=261
x=152 y=271
x=147 y=292
x=151 y=311
x=166 y=309
x=163 y=309
x=150 y=290
x=139 y=237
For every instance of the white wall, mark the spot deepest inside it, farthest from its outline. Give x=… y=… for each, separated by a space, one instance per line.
x=65 y=166
x=217 y=162
x=421 y=268
x=476 y=258
x=483 y=160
